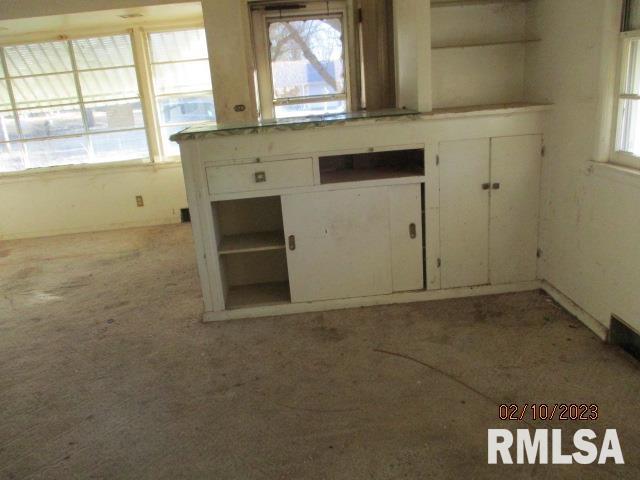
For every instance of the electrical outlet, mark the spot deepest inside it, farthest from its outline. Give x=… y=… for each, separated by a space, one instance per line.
x=139 y=201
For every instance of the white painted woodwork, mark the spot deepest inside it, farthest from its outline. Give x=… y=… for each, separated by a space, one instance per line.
x=407 y=264
x=464 y=212
x=242 y=178
x=246 y=267
x=515 y=165
x=412 y=43
x=342 y=244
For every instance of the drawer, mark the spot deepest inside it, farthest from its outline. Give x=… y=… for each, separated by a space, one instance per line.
x=260 y=176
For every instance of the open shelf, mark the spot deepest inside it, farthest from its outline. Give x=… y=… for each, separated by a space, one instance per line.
x=484 y=44
x=251 y=251
x=251 y=242
x=258 y=295
x=358 y=167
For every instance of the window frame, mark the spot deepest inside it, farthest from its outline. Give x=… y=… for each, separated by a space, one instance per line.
x=148 y=67
x=81 y=102
x=261 y=18
x=142 y=67
x=621 y=157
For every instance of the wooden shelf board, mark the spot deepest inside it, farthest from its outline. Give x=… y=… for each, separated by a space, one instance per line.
x=251 y=242
x=263 y=294
x=482 y=110
x=484 y=44
x=465 y=3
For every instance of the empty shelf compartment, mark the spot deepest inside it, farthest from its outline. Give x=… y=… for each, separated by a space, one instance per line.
x=357 y=167
x=258 y=295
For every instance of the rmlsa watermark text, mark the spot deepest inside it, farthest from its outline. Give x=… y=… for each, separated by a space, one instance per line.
x=543 y=446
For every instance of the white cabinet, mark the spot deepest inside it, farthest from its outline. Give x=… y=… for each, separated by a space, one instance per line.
x=353 y=243
x=464 y=212
x=515 y=169
x=489 y=197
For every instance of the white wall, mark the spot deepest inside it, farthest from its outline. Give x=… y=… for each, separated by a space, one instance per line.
x=90 y=199
x=590 y=216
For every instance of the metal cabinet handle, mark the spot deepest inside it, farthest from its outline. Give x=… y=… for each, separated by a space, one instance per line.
x=412 y=230
x=260 y=177
x=292 y=242
x=486 y=186
x=496 y=186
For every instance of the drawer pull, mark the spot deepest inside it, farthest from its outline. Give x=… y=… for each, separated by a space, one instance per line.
x=292 y=242
x=496 y=186
x=260 y=177
x=412 y=230
x=486 y=186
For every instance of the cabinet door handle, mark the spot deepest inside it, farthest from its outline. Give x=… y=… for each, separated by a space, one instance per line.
x=412 y=230
x=496 y=186
x=486 y=186
x=292 y=242
x=260 y=177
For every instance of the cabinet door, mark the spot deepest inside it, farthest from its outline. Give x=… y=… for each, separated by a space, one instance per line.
x=515 y=197
x=342 y=243
x=464 y=212
x=407 y=263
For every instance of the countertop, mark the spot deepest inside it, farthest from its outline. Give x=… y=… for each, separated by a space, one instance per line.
x=295 y=123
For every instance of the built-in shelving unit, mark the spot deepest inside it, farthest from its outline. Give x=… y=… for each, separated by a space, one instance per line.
x=251 y=247
x=478 y=52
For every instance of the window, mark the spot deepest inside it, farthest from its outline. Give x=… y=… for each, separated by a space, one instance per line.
x=627 y=137
x=70 y=102
x=181 y=82
x=302 y=65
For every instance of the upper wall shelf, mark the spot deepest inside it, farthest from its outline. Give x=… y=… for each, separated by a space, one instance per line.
x=484 y=44
x=464 y=3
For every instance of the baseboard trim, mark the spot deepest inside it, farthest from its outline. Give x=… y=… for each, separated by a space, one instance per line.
x=395 y=298
x=576 y=310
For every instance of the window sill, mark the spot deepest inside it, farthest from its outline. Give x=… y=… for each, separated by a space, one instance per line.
x=70 y=170
x=614 y=172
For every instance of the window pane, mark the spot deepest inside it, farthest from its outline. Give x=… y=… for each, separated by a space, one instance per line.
x=51 y=122
x=119 y=146
x=186 y=109
x=168 y=147
x=308 y=109
x=61 y=151
x=109 y=84
x=12 y=158
x=180 y=45
x=5 y=101
x=181 y=77
x=45 y=90
x=307 y=57
x=103 y=52
x=8 y=129
x=38 y=58
x=632 y=82
x=114 y=115
x=629 y=127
